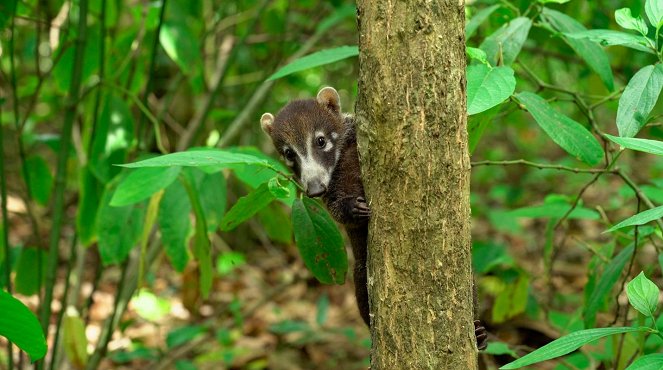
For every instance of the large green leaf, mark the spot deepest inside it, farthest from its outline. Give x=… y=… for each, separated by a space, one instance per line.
x=625 y=19
x=643 y=295
x=27 y=280
x=654 y=10
x=555 y=210
x=568 y=344
x=604 y=286
x=316 y=59
x=247 y=206
x=113 y=135
x=476 y=125
x=567 y=133
x=507 y=41
x=181 y=45
x=141 y=183
x=488 y=87
x=199 y=158
x=74 y=339
x=476 y=20
x=21 y=327
x=118 y=228
x=175 y=225
x=640 y=219
x=41 y=179
x=639 y=99
x=590 y=52
x=642 y=145
x=653 y=361
x=613 y=38
x=255 y=176
x=319 y=241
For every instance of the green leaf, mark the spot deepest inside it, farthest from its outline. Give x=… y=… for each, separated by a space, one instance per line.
x=181 y=45
x=289 y=326
x=341 y=13
x=553 y=1
x=227 y=262
x=643 y=295
x=654 y=10
x=141 y=183
x=75 y=341
x=639 y=219
x=182 y=335
x=199 y=158
x=322 y=310
x=20 y=326
x=247 y=206
x=642 y=145
x=476 y=125
x=316 y=59
x=568 y=344
x=625 y=19
x=255 y=176
x=319 y=241
x=276 y=222
x=175 y=225
x=614 y=38
x=653 y=361
x=41 y=179
x=118 y=228
x=477 y=54
x=590 y=52
x=567 y=133
x=507 y=41
x=639 y=99
x=211 y=189
x=90 y=192
x=201 y=245
x=6 y=12
x=149 y=306
x=500 y=348
x=27 y=268
x=113 y=135
x=555 y=210
x=478 y=19
x=605 y=284
x=488 y=87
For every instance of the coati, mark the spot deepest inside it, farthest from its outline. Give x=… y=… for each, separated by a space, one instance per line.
x=318 y=142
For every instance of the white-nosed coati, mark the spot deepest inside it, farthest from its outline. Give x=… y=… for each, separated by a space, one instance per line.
x=318 y=142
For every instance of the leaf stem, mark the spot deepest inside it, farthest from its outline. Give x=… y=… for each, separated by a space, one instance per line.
x=541 y=166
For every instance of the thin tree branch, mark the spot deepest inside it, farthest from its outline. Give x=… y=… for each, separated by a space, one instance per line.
x=541 y=166
x=63 y=154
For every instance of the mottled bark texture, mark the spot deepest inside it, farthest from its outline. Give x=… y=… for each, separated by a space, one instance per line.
x=415 y=166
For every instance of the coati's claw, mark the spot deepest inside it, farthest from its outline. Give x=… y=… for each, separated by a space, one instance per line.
x=482 y=335
x=361 y=209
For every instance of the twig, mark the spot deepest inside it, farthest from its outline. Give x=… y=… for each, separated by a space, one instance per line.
x=63 y=154
x=541 y=166
x=640 y=194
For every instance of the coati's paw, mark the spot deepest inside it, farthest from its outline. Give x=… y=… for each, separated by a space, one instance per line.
x=360 y=209
x=482 y=335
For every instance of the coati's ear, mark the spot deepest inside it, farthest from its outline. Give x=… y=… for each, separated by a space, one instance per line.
x=266 y=122
x=329 y=98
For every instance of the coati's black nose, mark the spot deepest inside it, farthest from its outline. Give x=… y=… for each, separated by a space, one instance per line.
x=315 y=189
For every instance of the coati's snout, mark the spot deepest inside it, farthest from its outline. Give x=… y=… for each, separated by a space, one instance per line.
x=308 y=134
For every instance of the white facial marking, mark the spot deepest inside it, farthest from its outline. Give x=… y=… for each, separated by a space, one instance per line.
x=310 y=169
x=334 y=135
x=328 y=144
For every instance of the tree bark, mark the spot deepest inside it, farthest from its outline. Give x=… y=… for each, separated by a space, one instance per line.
x=412 y=136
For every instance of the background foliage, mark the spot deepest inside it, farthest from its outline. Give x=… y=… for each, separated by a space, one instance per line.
x=188 y=260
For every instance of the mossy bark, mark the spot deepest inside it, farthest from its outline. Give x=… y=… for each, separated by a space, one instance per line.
x=412 y=134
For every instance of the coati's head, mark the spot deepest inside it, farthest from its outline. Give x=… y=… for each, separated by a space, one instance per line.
x=307 y=134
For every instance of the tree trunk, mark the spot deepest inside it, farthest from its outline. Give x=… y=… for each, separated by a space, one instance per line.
x=412 y=137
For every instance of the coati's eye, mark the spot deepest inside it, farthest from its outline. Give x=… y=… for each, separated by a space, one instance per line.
x=289 y=154
x=321 y=141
